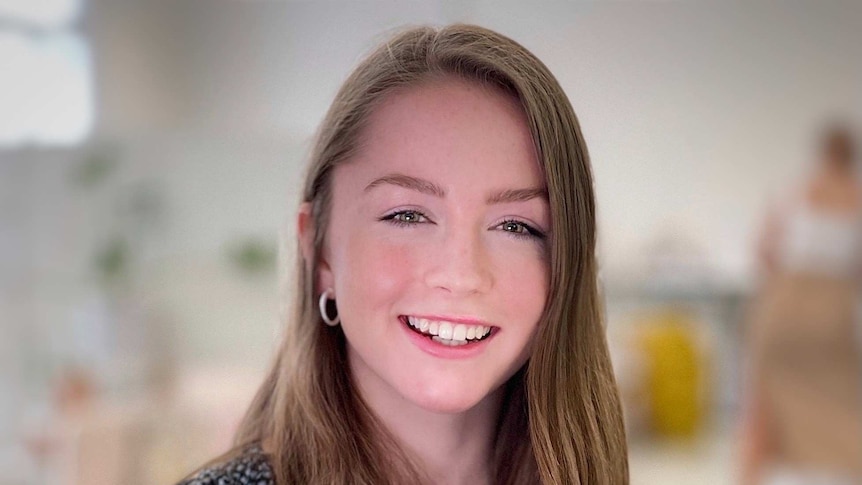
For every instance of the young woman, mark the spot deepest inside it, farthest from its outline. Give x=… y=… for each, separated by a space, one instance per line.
x=447 y=326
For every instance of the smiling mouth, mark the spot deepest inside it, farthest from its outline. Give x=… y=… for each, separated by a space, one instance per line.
x=447 y=333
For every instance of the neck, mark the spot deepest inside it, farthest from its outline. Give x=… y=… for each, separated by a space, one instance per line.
x=836 y=170
x=451 y=448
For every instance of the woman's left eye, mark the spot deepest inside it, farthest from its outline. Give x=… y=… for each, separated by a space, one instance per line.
x=520 y=229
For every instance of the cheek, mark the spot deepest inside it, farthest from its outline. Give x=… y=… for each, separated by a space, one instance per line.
x=373 y=272
x=523 y=286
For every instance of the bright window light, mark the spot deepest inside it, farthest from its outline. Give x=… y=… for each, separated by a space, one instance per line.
x=46 y=93
x=46 y=14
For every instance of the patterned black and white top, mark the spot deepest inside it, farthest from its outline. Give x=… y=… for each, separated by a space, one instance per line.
x=250 y=468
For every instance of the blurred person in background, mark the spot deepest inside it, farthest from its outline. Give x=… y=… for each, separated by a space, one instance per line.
x=447 y=325
x=803 y=411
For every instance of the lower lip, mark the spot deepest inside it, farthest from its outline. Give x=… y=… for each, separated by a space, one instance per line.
x=445 y=351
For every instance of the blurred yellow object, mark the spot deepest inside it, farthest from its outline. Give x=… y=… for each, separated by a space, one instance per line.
x=675 y=374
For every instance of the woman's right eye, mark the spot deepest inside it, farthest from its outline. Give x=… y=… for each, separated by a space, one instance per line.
x=406 y=217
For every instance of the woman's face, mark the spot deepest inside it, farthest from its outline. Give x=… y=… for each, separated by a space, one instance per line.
x=439 y=225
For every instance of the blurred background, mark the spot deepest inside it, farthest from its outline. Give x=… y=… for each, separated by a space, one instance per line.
x=150 y=160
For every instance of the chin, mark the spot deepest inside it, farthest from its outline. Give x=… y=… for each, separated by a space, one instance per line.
x=447 y=401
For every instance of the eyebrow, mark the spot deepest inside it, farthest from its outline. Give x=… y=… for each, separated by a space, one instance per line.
x=430 y=188
x=517 y=195
x=408 y=182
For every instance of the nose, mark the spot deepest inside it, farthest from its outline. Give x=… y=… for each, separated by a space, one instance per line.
x=461 y=264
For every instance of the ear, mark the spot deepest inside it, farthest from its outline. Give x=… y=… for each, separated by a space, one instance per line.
x=306 y=231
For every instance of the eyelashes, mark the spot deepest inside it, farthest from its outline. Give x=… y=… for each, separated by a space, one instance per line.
x=515 y=228
x=406 y=217
x=521 y=229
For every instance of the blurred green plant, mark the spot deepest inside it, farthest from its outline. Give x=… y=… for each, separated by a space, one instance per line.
x=130 y=213
x=112 y=260
x=96 y=168
x=252 y=256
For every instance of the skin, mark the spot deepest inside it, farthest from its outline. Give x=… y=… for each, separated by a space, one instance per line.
x=834 y=188
x=452 y=254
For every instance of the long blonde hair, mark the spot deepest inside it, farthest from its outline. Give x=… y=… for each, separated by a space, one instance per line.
x=561 y=421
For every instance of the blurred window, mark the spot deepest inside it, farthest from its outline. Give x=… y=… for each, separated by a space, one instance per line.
x=46 y=88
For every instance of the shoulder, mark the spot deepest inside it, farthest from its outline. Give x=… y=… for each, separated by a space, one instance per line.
x=250 y=467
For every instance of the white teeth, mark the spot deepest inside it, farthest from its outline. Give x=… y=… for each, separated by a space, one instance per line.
x=445 y=330
x=450 y=343
x=449 y=333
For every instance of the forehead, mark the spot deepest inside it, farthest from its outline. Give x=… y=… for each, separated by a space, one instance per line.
x=451 y=127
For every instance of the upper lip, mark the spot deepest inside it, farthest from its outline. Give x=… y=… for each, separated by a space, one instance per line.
x=454 y=319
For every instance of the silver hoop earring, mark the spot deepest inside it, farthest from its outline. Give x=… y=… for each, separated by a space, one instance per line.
x=321 y=303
